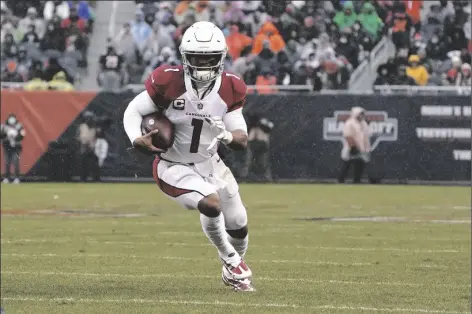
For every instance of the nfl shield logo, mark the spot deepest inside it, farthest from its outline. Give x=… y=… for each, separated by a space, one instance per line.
x=200 y=106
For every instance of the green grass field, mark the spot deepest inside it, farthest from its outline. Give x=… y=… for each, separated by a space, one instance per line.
x=125 y=248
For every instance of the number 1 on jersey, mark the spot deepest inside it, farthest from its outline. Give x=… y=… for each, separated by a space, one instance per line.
x=197 y=130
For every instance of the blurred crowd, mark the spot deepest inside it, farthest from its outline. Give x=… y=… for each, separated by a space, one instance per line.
x=433 y=44
x=44 y=43
x=316 y=43
x=313 y=43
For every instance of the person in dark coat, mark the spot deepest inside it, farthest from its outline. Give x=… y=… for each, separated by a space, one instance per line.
x=12 y=134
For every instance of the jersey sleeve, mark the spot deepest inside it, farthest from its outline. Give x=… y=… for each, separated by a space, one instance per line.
x=140 y=106
x=234 y=120
x=239 y=93
x=160 y=85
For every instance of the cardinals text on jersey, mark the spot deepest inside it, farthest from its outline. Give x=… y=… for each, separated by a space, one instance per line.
x=172 y=93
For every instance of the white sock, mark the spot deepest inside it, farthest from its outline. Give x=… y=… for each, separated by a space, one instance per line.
x=240 y=245
x=214 y=228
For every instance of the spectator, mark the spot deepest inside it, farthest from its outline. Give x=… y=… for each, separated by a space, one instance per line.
x=413 y=9
x=284 y=66
x=356 y=145
x=158 y=40
x=466 y=57
x=457 y=37
x=347 y=17
x=59 y=82
x=417 y=71
x=243 y=65
x=236 y=42
x=31 y=36
x=54 y=68
x=9 y=47
x=167 y=57
x=383 y=76
x=74 y=21
x=234 y=14
x=12 y=134
x=125 y=43
x=401 y=78
x=166 y=20
x=265 y=80
x=181 y=11
x=87 y=136
x=468 y=29
x=84 y=11
x=202 y=12
x=58 y=8
x=347 y=47
x=111 y=66
x=32 y=18
x=370 y=20
x=24 y=63
x=265 y=60
x=270 y=33
x=101 y=151
x=36 y=83
x=434 y=20
x=309 y=29
x=464 y=77
x=10 y=73
x=54 y=39
x=140 y=30
x=452 y=75
x=7 y=28
x=257 y=161
x=6 y=15
x=425 y=60
x=400 y=26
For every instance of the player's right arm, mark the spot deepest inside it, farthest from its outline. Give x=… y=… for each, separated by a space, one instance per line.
x=140 y=106
x=151 y=100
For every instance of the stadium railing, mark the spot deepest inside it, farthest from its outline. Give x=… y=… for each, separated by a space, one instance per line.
x=425 y=90
x=307 y=89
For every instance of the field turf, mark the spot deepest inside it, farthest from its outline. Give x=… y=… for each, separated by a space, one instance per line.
x=125 y=248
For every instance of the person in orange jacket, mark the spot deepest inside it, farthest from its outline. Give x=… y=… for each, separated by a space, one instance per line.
x=268 y=32
x=237 y=42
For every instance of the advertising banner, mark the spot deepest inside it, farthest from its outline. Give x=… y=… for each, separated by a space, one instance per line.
x=412 y=137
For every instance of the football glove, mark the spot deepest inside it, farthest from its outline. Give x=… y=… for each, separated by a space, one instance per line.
x=219 y=130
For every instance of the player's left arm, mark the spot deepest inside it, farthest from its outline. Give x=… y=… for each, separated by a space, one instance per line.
x=234 y=119
x=236 y=125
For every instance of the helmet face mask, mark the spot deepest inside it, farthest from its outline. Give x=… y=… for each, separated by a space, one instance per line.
x=203 y=51
x=203 y=67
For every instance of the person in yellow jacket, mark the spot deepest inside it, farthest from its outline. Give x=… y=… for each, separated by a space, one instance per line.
x=36 y=83
x=59 y=82
x=417 y=71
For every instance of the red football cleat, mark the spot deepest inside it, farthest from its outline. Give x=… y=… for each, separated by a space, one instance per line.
x=237 y=285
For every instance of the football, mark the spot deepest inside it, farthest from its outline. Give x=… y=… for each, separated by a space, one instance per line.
x=165 y=137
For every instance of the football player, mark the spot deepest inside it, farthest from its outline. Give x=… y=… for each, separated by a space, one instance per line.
x=205 y=105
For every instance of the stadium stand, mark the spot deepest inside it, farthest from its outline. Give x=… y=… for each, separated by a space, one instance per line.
x=316 y=44
x=296 y=45
x=433 y=44
x=43 y=38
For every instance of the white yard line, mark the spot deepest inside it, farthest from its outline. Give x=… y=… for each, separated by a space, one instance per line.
x=178 y=258
x=302 y=247
x=306 y=280
x=231 y=304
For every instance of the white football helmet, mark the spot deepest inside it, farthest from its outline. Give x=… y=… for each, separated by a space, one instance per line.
x=203 y=49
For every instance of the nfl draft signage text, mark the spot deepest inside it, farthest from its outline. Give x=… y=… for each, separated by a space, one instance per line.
x=381 y=127
x=447 y=125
